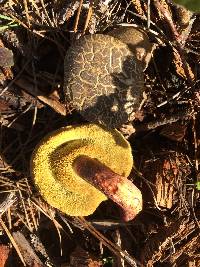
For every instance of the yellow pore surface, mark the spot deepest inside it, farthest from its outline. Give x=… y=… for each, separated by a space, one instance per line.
x=51 y=165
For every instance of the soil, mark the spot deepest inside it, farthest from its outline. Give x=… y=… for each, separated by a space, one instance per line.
x=34 y=38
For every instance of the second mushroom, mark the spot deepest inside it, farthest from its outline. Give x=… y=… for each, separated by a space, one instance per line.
x=103 y=75
x=76 y=168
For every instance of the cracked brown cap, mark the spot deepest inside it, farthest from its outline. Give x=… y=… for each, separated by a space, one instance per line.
x=103 y=79
x=137 y=40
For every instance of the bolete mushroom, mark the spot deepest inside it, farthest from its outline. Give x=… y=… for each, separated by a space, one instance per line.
x=103 y=78
x=70 y=164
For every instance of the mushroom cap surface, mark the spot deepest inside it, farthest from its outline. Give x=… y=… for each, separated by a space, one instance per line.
x=137 y=40
x=54 y=176
x=103 y=79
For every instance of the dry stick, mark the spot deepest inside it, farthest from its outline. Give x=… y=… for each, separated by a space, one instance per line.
x=89 y=15
x=46 y=13
x=27 y=251
x=26 y=12
x=32 y=214
x=148 y=14
x=57 y=225
x=30 y=204
x=36 y=8
x=12 y=241
x=50 y=39
x=8 y=202
x=138 y=7
x=114 y=248
x=195 y=141
x=117 y=238
x=116 y=12
x=167 y=16
x=168 y=119
x=196 y=164
x=78 y=16
x=25 y=211
x=9 y=215
x=16 y=118
x=5 y=182
x=66 y=222
x=193 y=211
x=21 y=219
x=184 y=249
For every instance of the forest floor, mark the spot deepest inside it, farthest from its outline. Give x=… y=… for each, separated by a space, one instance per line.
x=34 y=38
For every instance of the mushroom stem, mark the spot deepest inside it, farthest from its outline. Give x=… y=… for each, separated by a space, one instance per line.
x=114 y=186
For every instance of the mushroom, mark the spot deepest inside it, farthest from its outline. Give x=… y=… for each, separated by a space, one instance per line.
x=137 y=40
x=75 y=168
x=103 y=78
